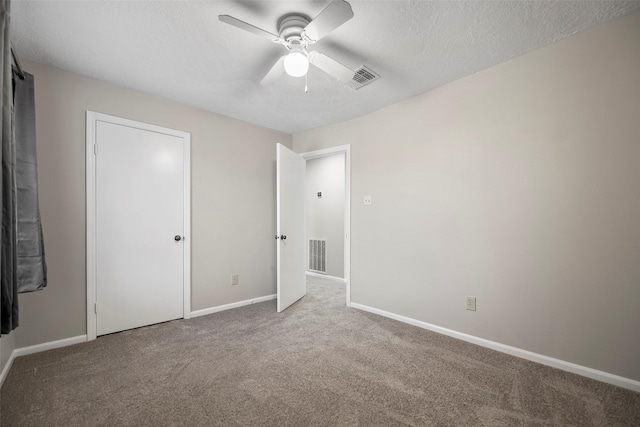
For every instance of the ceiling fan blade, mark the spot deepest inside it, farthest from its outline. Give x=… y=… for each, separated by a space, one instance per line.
x=227 y=19
x=337 y=13
x=331 y=67
x=274 y=73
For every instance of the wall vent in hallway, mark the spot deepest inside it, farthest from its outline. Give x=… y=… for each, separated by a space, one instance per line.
x=318 y=255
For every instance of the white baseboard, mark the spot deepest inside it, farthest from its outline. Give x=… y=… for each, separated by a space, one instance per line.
x=23 y=351
x=326 y=276
x=7 y=367
x=514 y=351
x=224 y=307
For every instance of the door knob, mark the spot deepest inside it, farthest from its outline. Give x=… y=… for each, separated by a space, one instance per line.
x=177 y=238
x=283 y=237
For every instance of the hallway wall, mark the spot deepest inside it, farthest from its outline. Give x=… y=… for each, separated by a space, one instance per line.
x=325 y=216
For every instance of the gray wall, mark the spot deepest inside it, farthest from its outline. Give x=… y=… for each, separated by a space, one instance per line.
x=232 y=198
x=325 y=216
x=518 y=185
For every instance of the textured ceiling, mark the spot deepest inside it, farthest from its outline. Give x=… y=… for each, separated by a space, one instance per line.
x=179 y=50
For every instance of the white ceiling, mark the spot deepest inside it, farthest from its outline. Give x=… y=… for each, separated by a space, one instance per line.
x=179 y=50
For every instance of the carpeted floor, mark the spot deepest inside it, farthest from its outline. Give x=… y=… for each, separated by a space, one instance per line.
x=318 y=363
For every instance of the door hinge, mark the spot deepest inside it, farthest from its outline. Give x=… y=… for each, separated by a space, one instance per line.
x=95 y=148
x=95 y=307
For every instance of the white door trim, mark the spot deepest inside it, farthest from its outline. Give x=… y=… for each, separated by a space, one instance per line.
x=346 y=149
x=91 y=119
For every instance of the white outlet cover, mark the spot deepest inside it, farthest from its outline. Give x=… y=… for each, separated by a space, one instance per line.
x=367 y=201
x=471 y=303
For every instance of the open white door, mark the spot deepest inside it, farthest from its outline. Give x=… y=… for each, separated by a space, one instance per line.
x=290 y=238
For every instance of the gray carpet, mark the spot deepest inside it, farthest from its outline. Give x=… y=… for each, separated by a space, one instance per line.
x=318 y=363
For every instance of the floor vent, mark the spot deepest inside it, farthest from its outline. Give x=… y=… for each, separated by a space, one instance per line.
x=363 y=76
x=318 y=255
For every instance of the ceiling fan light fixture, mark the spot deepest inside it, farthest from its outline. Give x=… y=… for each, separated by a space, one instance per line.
x=296 y=64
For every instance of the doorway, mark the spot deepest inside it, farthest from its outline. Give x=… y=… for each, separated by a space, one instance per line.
x=290 y=229
x=336 y=243
x=324 y=210
x=138 y=227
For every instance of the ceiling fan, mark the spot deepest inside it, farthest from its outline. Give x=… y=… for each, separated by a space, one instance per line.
x=296 y=32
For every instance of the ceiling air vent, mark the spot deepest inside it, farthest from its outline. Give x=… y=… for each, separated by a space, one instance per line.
x=363 y=76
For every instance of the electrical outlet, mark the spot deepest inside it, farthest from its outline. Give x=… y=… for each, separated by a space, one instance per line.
x=471 y=303
x=367 y=201
x=234 y=279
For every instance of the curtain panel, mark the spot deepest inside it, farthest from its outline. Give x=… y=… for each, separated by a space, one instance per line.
x=22 y=264
x=9 y=259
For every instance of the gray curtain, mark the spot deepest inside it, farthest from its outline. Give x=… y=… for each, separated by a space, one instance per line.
x=32 y=268
x=9 y=259
x=23 y=267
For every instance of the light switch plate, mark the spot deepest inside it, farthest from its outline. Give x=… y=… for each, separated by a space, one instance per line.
x=367 y=201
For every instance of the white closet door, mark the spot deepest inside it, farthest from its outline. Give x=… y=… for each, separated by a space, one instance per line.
x=139 y=227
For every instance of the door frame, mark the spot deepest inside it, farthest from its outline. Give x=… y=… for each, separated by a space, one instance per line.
x=91 y=119
x=346 y=149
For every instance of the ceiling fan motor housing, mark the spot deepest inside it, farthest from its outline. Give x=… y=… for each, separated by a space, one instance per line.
x=290 y=26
